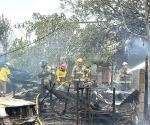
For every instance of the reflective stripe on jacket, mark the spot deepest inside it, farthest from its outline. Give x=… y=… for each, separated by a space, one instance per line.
x=126 y=79
x=78 y=73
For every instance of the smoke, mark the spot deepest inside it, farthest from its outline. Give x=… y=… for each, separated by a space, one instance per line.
x=137 y=50
x=137 y=67
x=143 y=122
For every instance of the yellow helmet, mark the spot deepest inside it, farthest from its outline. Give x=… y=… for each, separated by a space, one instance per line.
x=80 y=60
x=7 y=64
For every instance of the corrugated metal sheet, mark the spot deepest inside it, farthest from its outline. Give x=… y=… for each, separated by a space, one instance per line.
x=2 y=112
x=10 y=102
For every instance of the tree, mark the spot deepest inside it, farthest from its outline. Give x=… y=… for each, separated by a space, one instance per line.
x=54 y=39
x=108 y=24
x=4 y=32
x=47 y=24
x=123 y=18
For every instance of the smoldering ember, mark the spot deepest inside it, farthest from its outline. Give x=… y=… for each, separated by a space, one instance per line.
x=75 y=62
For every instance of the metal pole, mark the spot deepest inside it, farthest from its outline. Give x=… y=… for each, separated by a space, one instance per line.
x=112 y=69
x=86 y=105
x=77 y=106
x=51 y=96
x=89 y=112
x=113 y=104
x=146 y=90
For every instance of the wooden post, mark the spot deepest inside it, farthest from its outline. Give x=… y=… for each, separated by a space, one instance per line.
x=141 y=90
x=77 y=105
x=146 y=90
x=114 y=100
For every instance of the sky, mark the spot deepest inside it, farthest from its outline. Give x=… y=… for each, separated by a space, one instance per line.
x=17 y=11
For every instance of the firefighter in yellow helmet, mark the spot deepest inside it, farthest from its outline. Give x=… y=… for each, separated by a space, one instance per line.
x=4 y=78
x=125 y=77
x=78 y=73
x=61 y=78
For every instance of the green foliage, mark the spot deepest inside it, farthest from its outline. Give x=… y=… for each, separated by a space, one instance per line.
x=4 y=31
x=107 y=25
x=18 y=44
x=47 y=24
x=51 y=44
x=115 y=21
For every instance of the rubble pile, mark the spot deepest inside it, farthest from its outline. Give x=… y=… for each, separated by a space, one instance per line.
x=100 y=105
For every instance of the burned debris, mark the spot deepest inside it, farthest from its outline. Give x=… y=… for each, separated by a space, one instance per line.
x=93 y=104
x=105 y=104
x=87 y=64
x=16 y=112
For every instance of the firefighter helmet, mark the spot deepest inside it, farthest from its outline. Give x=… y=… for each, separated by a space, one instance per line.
x=124 y=63
x=43 y=63
x=7 y=64
x=80 y=60
x=63 y=66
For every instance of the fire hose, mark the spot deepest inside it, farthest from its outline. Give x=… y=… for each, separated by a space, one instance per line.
x=37 y=105
x=61 y=85
x=37 y=110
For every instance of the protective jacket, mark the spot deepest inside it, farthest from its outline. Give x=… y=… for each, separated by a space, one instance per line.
x=4 y=73
x=61 y=77
x=78 y=73
x=125 y=77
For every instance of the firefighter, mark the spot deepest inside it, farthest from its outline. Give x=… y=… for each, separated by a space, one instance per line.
x=125 y=77
x=44 y=75
x=79 y=78
x=61 y=78
x=4 y=78
x=62 y=82
x=78 y=73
